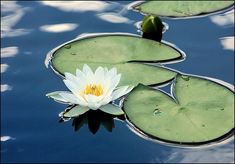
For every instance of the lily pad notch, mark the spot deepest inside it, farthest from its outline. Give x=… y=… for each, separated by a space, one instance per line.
x=128 y=53
x=200 y=112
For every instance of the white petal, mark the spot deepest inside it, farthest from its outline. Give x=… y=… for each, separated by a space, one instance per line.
x=94 y=102
x=80 y=74
x=114 y=82
x=99 y=75
x=94 y=106
x=106 y=85
x=106 y=70
x=111 y=73
x=93 y=98
x=75 y=89
x=110 y=85
x=109 y=79
x=106 y=94
x=87 y=69
x=120 y=92
x=88 y=72
x=70 y=76
x=106 y=100
x=57 y=97
x=80 y=82
x=73 y=99
x=69 y=97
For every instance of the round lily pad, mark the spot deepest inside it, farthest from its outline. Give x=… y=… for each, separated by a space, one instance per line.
x=126 y=53
x=182 y=8
x=200 y=111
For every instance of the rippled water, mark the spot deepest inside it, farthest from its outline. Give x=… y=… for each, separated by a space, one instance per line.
x=30 y=131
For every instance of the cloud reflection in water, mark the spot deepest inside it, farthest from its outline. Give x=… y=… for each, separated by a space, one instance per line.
x=113 y=18
x=4 y=67
x=5 y=53
x=9 y=51
x=77 y=6
x=228 y=43
x=223 y=19
x=57 y=28
x=218 y=154
x=6 y=138
x=5 y=87
x=11 y=14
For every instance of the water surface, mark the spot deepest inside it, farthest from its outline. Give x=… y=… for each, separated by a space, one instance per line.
x=29 y=120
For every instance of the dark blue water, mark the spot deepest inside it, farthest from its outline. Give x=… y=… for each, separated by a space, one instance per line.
x=30 y=131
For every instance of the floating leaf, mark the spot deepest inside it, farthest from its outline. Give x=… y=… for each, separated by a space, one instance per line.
x=111 y=109
x=202 y=111
x=182 y=8
x=75 y=111
x=120 y=51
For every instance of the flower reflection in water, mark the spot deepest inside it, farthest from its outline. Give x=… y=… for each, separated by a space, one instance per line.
x=93 y=119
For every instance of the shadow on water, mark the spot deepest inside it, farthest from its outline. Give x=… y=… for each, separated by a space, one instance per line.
x=94 y=119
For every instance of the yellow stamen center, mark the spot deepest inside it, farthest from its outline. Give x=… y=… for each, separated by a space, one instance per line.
x=93 y=89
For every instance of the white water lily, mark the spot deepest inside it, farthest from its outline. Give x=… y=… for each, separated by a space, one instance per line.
x=92 y=90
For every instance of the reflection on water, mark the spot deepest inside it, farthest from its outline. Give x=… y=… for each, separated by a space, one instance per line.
x=77 y=6
x=223 y=19
x=5 y=53
x=228 y=43
x=94 y=119
x=27 y=115
x=56 y=28
x=5 y=87
x=6 y=138
x=113 y=18
x=209 y=155
x=11 y=14
x=9 y=51
x=4 y=68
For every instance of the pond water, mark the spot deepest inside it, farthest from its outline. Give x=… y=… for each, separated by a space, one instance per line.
x=30 y=128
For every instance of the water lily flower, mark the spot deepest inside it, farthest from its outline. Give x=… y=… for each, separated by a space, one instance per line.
x=92 y=90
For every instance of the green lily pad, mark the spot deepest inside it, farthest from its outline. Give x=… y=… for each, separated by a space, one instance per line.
x=75 y=111
x=121 y=51
x=182 y=8
x=112 y=109
x=201 y=111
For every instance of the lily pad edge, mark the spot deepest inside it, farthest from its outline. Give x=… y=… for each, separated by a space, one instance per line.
x=220 y=140
x=220 y=11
